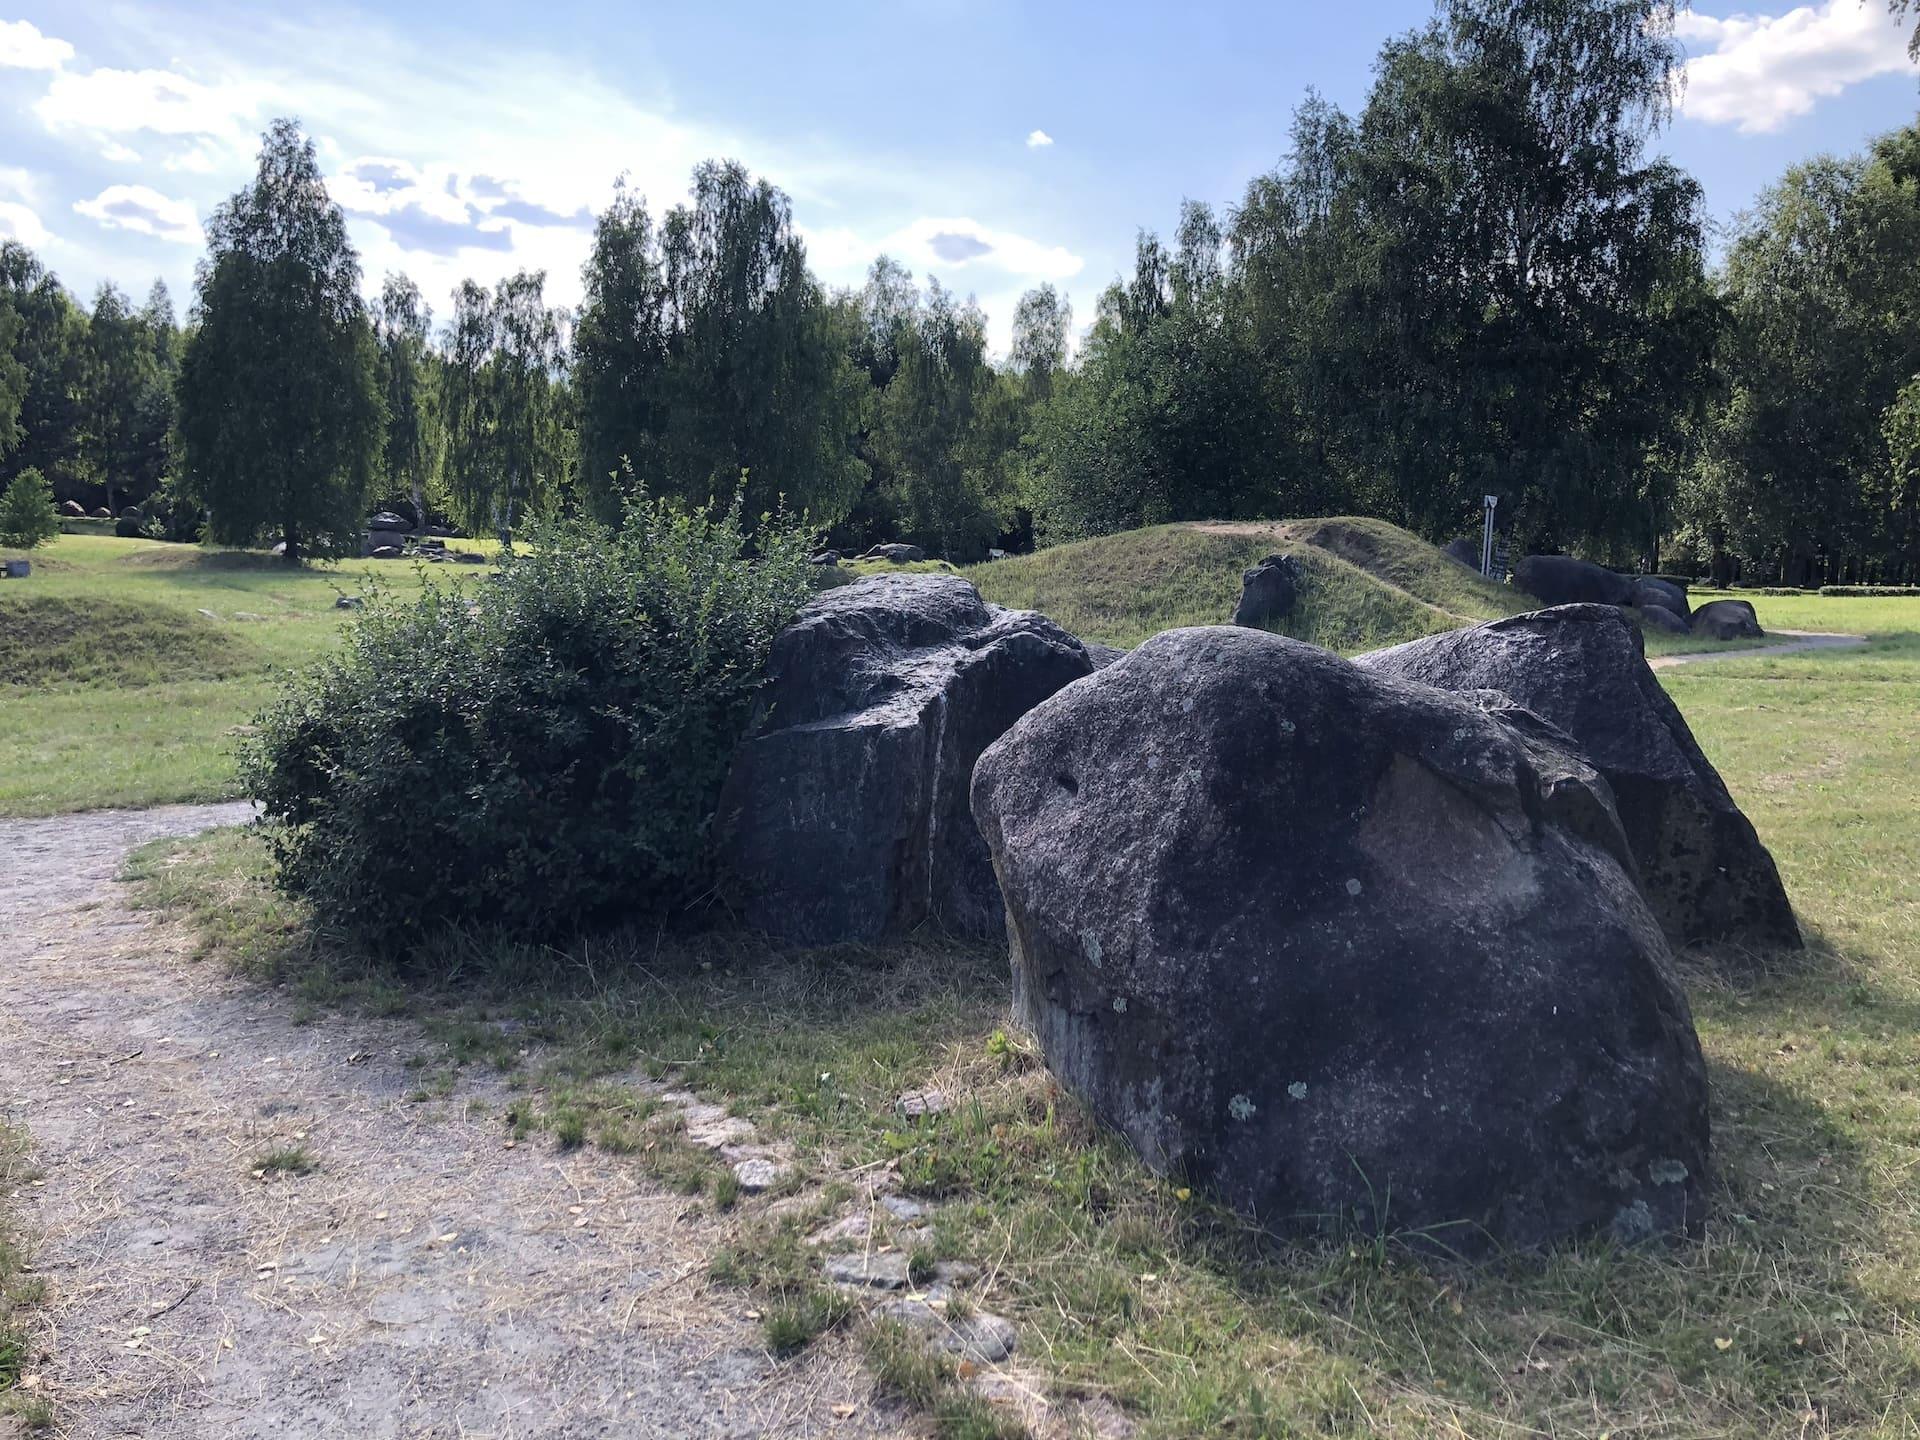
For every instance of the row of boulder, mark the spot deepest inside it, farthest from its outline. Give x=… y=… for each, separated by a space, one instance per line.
x=1384 y=940
x=1661 y=601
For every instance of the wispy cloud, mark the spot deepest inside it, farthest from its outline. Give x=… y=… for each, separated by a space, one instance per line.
x=145 y=211
x=1757 y=72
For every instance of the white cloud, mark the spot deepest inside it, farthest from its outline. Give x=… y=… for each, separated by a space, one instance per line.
x=19 y=222
x=160 y=102
x=23 y=47
x=145 y=211
x=1760 y=71
x=1039 y=140
x=119 y=154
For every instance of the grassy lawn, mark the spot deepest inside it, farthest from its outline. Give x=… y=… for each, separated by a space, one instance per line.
x=1797 y=1315
x=18 y=1290
x=128 y=666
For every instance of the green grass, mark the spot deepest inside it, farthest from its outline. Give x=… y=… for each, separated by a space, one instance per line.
x=20 y=1290
x=293 y=1160
x=1798 y=1314
x=1364 y=583
x=129 y=666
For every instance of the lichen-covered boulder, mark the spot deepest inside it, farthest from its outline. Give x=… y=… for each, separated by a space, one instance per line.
x=1583 y=668
x=1563 y=580
x=1727 y=620
x=1345 y=947
x=1267 y=591
x=845 y=816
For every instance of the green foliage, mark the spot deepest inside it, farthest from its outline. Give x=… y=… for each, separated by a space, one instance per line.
x=50 y=349
x=705 y=349
x=946 y=428
x=540 y=753
x=280 y=410
x=402 y=328
x=1808 y=457
x=508 y=444
x=27 y=516
x=1873 y=590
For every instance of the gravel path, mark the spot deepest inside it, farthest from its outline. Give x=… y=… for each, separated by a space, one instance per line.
x=1803 y=640
x=423 y=1281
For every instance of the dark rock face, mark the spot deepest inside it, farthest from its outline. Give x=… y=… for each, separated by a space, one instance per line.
x=1727 y=620
x=1337 y=944
x=1562 y=580
x=1661 y=618
x=1267 y=592
x=1465 y=551
x=898 y=554
x=846 y=813
x=1651 y=592
x=1103 y=655
x=1582 y=668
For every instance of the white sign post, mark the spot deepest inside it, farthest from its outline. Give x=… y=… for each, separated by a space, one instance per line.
x=1486 y=536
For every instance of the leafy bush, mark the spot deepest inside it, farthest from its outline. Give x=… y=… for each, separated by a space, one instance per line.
x=1880 y=590
x=27 y=516
x=536 y=752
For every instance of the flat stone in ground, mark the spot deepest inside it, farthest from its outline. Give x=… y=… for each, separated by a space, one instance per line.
x=886 y=1271
x=978 y=1336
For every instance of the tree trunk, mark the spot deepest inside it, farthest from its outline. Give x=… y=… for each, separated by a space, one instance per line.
x=292 y=540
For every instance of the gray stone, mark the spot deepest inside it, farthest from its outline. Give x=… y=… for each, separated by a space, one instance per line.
x=1267 y=591
x=348 y=602
x=845 y=816
x=1582 y=668
x=978 y=1336
x=1463 y=552
x=917 y=1103
x=1650 y=591
x=1563 y=580
x=1102 y=656
x=1727 y=620
x=897 y=553
x=881 y=1271
x=903 y=1208
x=757 y=1173
x=1663 y=619
x=1344 y=946
x=848 y=1229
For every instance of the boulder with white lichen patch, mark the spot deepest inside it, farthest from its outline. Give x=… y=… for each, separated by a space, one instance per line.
x=1345 y=947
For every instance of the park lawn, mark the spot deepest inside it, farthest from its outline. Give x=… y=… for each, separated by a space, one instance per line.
x=129 y=668
x=1797 y=1315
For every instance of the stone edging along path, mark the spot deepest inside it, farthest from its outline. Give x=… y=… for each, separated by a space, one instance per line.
x=1803 y=640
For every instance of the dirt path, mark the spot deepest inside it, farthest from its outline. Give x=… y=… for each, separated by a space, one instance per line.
x=1802 y=640
x=423 y=1281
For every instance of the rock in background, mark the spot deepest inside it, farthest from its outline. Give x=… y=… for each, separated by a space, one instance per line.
x=1267 y=592
x=846 y=813
x=1583 y=668
x=1340 y=945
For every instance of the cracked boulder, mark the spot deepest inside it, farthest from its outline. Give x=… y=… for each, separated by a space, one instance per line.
x=845 y=816
x=1345 y=948
x=1583 y=668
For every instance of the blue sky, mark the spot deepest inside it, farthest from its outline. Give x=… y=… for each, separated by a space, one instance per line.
x=996 y=145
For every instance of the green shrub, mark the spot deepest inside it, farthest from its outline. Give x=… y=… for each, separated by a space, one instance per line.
x=1877 y=590
x=27 y=516
x=538 y=752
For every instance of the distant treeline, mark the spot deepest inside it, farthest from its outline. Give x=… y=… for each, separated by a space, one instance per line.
x=1483 y=283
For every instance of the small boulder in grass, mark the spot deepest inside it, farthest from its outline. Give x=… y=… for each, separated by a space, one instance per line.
x=1346 y=948
x=1727 y=620
x=1267 y=592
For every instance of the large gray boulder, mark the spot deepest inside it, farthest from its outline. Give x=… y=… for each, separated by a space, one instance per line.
x=1267 y=592
x=1342 y=946
x=1583 y=669
x=845 y=816
x=1650 y=592
x=1563 y=580
x=1463 y=552
x=1727 y=620
x=1663 y=619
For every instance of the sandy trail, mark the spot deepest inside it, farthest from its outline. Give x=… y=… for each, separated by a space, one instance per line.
x=424 y=1281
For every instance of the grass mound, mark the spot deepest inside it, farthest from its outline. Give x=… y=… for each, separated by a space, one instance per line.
x=1364 y=583
x=60 y=640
